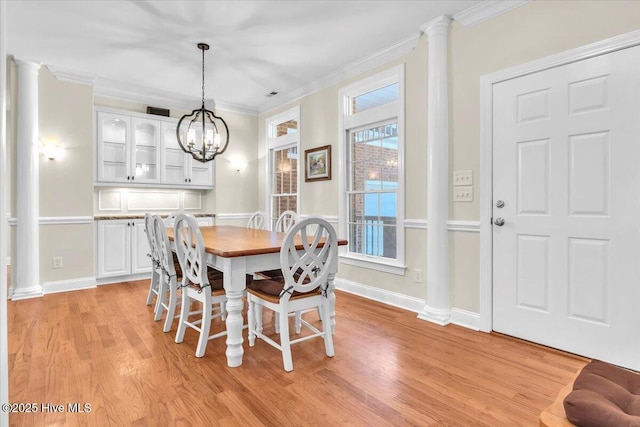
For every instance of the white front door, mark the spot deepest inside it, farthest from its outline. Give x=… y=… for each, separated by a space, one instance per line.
x=565 y=156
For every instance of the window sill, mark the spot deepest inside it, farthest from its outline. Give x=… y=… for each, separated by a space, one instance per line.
x=373 y=263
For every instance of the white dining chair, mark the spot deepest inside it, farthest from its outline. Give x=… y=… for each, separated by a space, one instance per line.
x=304 y=285
x=155 y=261
x=285 y=221
x=196 y=284
x=258 y=220
x=168 y=284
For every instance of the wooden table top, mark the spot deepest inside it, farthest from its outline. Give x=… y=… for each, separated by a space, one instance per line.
x=230 y=241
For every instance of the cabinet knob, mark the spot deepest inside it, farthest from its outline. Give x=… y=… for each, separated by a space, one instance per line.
x=128 y=177
x=132 y=178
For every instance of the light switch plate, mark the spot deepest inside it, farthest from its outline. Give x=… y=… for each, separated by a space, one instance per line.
x=463 y=194
x=462 y=178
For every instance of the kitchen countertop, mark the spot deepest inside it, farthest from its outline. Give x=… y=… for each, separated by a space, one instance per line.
x=141 y=216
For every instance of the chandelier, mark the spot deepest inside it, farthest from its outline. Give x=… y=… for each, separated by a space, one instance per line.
x=204 y=138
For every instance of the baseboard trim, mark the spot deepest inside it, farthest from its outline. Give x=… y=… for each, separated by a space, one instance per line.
x=457 y=316
x=120 y=279
x=381 y=295
x=25 y=293
x=69 y=285
x=466 y=319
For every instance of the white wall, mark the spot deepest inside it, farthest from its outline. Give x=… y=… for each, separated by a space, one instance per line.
x=535 y=30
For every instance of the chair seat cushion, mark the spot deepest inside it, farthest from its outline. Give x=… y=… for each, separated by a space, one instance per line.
x=270 y=289
x=604 y=395
x=271 y=274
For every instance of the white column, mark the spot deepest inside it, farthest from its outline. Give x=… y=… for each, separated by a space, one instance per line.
x=4 y=228
x=437 y=307
x=27 y=256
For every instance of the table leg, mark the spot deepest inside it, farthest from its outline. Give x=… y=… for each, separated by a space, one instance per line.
x=234 y=286
x=234 y=328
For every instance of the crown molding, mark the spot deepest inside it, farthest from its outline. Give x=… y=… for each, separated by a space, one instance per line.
x=442 y=21
x=72 y=76
x=486 y=10
x=143 y=95
x=112 y=89
x=401 y=48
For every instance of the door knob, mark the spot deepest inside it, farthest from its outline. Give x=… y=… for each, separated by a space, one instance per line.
x=499 y=222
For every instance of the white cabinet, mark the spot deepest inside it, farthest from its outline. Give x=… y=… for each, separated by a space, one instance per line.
x=122 y=248
x=128 y=149
x=181 y=168
x=114 y=138
x=134 y=148
x=145 y=150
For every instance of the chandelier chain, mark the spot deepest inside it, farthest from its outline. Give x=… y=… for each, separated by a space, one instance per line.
x=203 y=78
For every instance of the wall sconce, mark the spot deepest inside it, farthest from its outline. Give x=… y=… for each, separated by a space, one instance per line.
x=51 y=150
x=238 y=164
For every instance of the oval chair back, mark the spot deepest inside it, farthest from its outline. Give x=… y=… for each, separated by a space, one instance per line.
x=190 y=248
x=155 y=266
x=306 y=271
x=286 y=220
x=258 y=220
x=149 y=229
x=163 y=246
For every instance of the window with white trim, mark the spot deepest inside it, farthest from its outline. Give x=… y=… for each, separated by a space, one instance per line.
x=372 y=141
x=283 y=145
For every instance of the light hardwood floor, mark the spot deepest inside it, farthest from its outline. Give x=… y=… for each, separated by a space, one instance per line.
x=102 y=347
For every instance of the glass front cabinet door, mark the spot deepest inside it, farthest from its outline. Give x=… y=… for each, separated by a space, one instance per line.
x=181 y=168
x=128 y=149
x=145 y=155
x=114 y=132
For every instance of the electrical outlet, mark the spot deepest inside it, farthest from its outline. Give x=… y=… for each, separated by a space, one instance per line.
x=463 y=194
x=462 y=178
x=57 y=262
x=417 y=275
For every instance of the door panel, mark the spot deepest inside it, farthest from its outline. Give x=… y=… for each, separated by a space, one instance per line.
x=565 y=156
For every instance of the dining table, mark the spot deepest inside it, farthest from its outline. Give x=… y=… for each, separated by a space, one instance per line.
x=238 y=251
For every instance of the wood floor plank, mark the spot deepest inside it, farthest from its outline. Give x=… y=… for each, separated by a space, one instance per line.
x=102 y=347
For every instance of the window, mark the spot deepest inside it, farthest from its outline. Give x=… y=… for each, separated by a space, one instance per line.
x=284 y=182
x=283 y=145
x=372 y=210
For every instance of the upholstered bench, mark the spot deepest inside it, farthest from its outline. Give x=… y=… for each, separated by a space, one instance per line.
x=602 y=395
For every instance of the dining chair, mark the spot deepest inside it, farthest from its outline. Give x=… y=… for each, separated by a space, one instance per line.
x=168 y=284
x=285 y=221
x=258 y=220
x=196 y=284
x=155 y=260
x=169 y=221
x=304 y=285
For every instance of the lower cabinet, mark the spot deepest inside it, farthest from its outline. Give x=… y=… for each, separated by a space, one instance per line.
x=122 y=248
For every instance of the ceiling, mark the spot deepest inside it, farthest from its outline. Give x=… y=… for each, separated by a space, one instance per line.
x=256 y=46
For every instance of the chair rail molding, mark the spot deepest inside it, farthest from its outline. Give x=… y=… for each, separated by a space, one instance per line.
x=57 y=220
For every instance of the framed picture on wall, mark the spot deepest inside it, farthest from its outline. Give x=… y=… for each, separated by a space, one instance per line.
x=317 y=162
